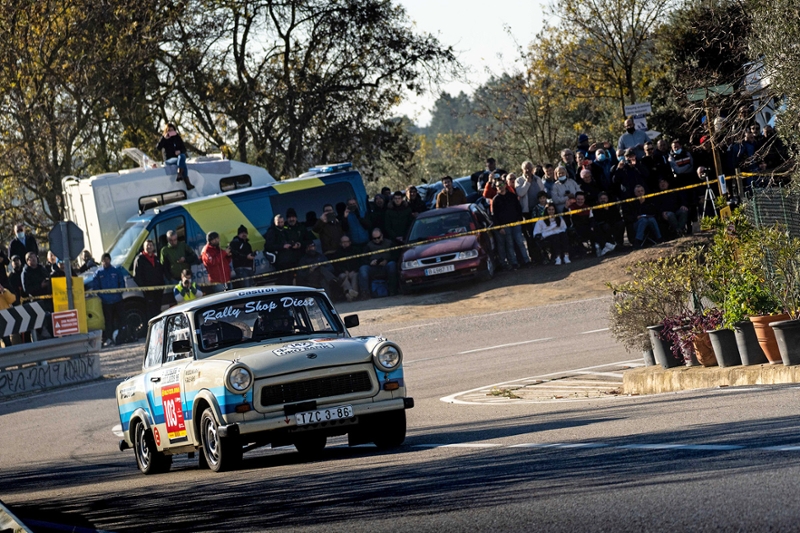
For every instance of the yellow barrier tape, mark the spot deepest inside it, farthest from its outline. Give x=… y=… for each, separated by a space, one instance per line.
x=392 y=248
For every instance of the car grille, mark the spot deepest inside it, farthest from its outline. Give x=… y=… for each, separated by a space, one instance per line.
x=313 y=389
x=438 y=259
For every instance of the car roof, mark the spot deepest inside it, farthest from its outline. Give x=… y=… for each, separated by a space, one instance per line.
x=444 y=210
x=235 y=294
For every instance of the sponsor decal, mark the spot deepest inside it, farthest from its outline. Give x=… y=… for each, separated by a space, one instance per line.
x=173 y=412
x=157 y=436
x=299 y=347
x=257 y=306
x=124 y=394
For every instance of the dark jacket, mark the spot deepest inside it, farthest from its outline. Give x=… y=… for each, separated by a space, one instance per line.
x=240 y=249
x=147 y=274
x=274 y=239
x=634 y=210
x=506 y=209
x=606 y=215
x=32 y=279
x=670 y=202
x=398 y=220
x=15 y=247
x=627 y=178
x=349 y=265
x=330 y=233
x=377 y=217
x=169 y=145
x=15 y=284
x=4 y=262
x=417 y=205
x=592 y=189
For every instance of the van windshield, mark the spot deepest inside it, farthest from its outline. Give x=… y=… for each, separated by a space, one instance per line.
x=126 y=239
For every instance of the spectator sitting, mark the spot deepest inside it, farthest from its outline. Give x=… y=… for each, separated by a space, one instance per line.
x=582 y=221
x=346 y=269
x=563 y=189
x=109 y=277
x=176 y=256
x=329 y=230
x=641 y=216
x=217 y=262
x=175 y=153
x=449 y=195
x=398 y=219
x=314 y=274
x=608 y=226
x=552 y=230
x=186 y=290
x=416 y=202
x=672 y=208
x=378 y=265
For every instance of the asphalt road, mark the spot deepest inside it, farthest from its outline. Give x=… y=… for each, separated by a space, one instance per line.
x=717 y=460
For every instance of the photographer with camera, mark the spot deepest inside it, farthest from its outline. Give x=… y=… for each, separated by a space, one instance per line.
x=628 y=175
x=355 y=226
x=329 y=229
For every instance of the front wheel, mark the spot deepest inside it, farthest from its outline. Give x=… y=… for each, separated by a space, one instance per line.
x=220 y=454
x=148 y=458
x=488 y=274
x=390 y=430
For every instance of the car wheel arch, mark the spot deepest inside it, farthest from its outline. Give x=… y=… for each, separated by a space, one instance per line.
x=202 y=401
x=139 y=416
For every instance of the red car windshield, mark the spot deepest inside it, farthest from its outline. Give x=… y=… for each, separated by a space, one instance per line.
x=439 y=226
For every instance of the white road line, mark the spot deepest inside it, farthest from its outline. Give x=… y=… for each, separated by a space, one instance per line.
x=595 y=331
x=781 y=448
x=633 y=447
x=458 y=445
x=505 y=345
x=409 y=327
x=612 y=374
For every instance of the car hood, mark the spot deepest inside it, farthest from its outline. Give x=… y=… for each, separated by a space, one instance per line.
x=297 y=355
x=448 y=246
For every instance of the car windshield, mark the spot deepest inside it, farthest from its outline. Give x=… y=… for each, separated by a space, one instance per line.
x=126 y=239
x=264 y=316
x=441 y=225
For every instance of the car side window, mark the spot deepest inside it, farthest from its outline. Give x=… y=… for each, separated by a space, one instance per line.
x=177 y=330
x=155 y=345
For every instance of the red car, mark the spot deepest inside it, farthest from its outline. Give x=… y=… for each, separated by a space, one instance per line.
x=452 y=259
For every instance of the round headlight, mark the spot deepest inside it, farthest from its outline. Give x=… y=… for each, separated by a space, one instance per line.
x=240 y=379
x=388 y=357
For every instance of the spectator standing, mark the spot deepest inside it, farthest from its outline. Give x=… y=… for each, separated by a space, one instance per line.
x=540 y=206
x=109 y=277
x=569 y=162
x=87 y=262
x=176 y=256
x=682 y=164
x=552 y=230
x=528 y=187
x=356 y=225
x=584 y=147
x=171 y=145
x=35 y=282
x=379 y=265
x=506 y=209
x=632 y=139
x=15 y=279
x=549 y=179
x=582 y=221
x=415 y=201
x=7 y=299
x=296 y=233
x=346 y=269
x=186 y=289
x=148 y=272
x=604 y=161
x=377 y=214
x=449 y=195
x=4 y=262
x=657 y=166
x=329 y=230
x=242 y=256
x=22 y=243
x=564 y=189
x=54 y=269
x=286 y=256
x=398 y=219
x=217 y=262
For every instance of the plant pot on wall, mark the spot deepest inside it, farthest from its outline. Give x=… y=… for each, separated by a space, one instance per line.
x=766 y=336
x=787 y=334
x=749 y=348
x=725 y=348
x=662 y=350
x=649 y=358
x=704 y=351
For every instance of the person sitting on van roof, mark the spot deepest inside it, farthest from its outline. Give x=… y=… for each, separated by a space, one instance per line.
x=171 y=145
x=176 y=256
x=329 y=230
x=217 y=262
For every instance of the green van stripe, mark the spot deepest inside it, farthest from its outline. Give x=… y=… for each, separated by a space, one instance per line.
x=297 y=185
x=220 y=214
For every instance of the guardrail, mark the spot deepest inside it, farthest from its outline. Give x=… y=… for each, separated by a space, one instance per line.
x=49 y=363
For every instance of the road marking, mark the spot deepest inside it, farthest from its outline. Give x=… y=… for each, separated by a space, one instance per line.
x=409 y=327
x=632 y=447
x=595 y=331
x=505 y=345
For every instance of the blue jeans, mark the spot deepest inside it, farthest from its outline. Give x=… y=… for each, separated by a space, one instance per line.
x=506 y=246
x=181 y=162
x=244 y=272
x=647 y=222
x=389 y=270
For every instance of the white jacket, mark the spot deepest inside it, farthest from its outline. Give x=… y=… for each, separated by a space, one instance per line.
x=547 y=230
x=560 y=191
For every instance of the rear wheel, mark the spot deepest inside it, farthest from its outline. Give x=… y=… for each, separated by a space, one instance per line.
x=311 y=445
x=220 y=454
x=148 y=458
x=390 y=430
x=134 y=317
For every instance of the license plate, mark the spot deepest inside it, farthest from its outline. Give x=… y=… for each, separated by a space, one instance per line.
x=324 y=415
x=439 y=270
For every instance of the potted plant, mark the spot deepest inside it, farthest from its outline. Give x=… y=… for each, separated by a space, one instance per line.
x=688 y=334
x=781 y=253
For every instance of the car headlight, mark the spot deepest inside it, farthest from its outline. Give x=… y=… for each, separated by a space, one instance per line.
x=469 y=254
x=239 y=379
x=387 y=356
x=408 y=265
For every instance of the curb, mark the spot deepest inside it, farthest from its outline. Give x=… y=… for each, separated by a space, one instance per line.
x=655 y=379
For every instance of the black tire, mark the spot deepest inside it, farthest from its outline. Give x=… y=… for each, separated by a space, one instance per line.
x=488 y=274
x=148 y=458
x=220 y=454
x=311 y=445
x=134 y=317
x=390 y=429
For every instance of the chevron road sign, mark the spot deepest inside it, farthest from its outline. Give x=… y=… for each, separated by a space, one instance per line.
x=25 y=317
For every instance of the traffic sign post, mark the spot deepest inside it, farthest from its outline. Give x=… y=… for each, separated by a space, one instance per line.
x=67 y=239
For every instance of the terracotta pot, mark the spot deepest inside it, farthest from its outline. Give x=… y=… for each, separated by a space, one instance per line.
x=766 y=336
x=704 y=351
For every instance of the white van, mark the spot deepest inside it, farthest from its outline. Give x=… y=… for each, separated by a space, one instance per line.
x=100 y=205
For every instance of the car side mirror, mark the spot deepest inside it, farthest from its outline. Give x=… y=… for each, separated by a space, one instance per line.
x=181 y=346
x=351 y=321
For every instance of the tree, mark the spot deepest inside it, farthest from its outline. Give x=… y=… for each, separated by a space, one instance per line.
x=297 y=82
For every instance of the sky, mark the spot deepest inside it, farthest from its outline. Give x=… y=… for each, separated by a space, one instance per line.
x=477 y=31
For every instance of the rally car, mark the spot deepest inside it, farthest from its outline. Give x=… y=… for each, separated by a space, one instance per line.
x=233 y=371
